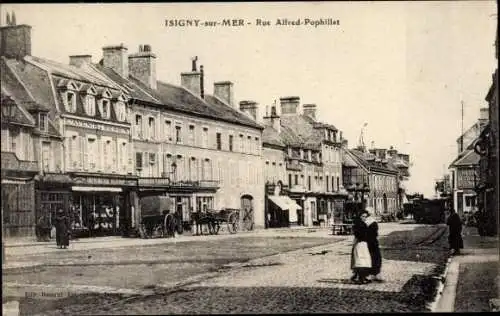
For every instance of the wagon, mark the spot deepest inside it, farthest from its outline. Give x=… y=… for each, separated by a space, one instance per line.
x=215 y=218
x=156 y=219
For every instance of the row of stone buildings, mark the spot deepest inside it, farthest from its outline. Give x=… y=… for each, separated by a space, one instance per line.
x=94 y=138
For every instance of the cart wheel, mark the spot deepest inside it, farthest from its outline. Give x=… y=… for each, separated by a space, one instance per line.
x=232 y=223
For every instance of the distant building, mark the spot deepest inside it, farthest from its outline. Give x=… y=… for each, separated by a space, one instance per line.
x=312 y=176
x=465 y=167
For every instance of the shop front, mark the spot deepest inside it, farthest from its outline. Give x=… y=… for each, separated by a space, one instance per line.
x=102 y=205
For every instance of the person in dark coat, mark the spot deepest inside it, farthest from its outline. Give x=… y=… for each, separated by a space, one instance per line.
x=359 y=229
x=455 y=232
x=43 y=228
x=373 y=246
x=62 y=229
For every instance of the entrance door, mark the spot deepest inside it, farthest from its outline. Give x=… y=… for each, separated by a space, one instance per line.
x=246 y=212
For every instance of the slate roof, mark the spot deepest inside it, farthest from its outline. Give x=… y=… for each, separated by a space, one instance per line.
x=178 y=98
x=369 y=161
x=272 y=137
x=469 y=157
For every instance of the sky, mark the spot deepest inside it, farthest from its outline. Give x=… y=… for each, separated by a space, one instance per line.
x=401 y=67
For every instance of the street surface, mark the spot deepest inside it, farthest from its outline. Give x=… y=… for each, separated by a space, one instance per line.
x=260 y=272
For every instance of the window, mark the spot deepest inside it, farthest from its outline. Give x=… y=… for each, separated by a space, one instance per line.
x=219 y=141
x=92 y=152
x=138 y=125
x=123 y=156
x=257 y=145
x=152 y=128
x=296 y=179
x=104 y=106
x=242 y=143
x=338 y=183
x=309 y=183
x=230 y=142
x=138 y=160
x=249 y=144
x=178 y=130
x=70 y=101
x=204 y=137
x=191 y=135
x=120 y=110
x=90 y=105
x=46 y=159
x=75 y=152
x=168 y=130
x=327 y=184
x=289 y=180
x=43 y=122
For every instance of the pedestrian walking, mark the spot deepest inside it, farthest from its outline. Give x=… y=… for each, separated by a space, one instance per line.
x=360 y=254
x=454 y=232
x=62 y=229
x=373 y=245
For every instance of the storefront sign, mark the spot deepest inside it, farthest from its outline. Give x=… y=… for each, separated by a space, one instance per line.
x=466 y=178
x=89 y=180
x=97 y=126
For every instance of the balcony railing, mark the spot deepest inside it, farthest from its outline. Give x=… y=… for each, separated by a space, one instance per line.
x=294 y=165
x=11 y=162
x=167 y=182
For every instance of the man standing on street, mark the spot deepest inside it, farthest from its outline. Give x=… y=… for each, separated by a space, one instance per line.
x=455 y=232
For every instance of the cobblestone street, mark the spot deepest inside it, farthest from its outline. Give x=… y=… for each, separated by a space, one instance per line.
x=280 y=273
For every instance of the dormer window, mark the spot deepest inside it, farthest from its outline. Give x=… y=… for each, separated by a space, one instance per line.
x=121 y=112
x=70 y=101
x=90 y=105
x=104 y=108
x=43 y=122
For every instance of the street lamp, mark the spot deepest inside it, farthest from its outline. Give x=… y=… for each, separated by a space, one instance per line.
x=8 y=109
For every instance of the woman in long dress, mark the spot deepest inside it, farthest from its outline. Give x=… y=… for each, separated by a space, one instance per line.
x=373 y=246
x=62 y=229
x=360 y=269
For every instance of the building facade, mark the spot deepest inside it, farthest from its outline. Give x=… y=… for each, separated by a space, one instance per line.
x=310 y=175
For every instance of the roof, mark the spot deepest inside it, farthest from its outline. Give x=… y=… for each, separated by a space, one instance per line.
x=177 y=98
x=272 y=137
x=348 y=161
x=369 y=161
x=467 y=158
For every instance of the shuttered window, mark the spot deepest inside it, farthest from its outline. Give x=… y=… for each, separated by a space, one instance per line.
x=138 y=160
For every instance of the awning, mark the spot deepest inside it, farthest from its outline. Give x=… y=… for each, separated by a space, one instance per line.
x=96 y=189
x=284 y=202
x=292 y=203
x=280 y=201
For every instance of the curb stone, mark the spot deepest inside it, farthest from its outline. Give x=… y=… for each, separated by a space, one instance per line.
x=441 y=281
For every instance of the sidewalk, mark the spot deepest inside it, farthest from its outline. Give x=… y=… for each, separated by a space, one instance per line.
x=472 y=281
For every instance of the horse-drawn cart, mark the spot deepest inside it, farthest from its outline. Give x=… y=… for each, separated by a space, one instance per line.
x=156 y=219
x=214 y=219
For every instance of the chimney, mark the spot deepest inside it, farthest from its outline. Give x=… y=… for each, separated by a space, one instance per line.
x=142 y=66
x=250 y=107
x=15 y=40
x=115 y=57
x=224 y=91
x=273 y=120
x=392 y=152
x=289 y=105
x=192 y=80
x=80 y=60
x=309 y=110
